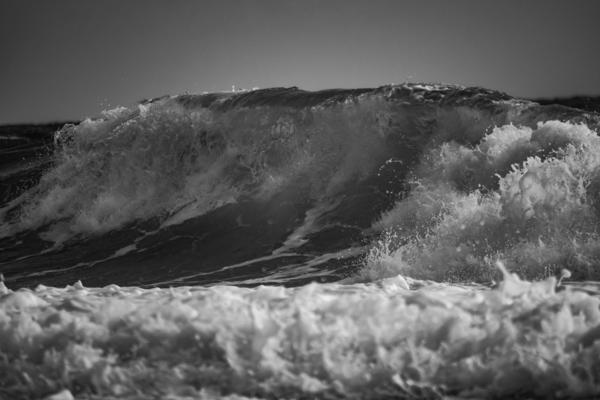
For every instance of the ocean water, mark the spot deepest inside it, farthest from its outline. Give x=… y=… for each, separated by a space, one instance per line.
x=409 y=241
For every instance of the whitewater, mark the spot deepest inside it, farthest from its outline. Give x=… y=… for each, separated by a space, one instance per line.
x=411 y=241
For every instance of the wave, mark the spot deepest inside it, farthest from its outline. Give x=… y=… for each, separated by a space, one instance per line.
x=184 y=155
x=448 y=178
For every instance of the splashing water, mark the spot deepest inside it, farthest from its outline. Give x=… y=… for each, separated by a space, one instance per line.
x=525 y=196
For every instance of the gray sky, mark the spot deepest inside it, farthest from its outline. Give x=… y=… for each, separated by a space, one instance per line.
x=67 y=59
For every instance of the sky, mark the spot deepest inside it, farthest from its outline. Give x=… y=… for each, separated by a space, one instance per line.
x=70 y=59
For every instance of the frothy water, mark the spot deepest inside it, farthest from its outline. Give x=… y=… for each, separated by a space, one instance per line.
x=319 y=341
x=411 y=235
x=526 y=196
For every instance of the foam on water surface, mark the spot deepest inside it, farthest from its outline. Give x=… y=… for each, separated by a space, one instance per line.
x=320 y=341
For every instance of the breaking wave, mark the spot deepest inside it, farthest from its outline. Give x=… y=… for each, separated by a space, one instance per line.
x=177 y=158
x=447 y=179
x=163 y=159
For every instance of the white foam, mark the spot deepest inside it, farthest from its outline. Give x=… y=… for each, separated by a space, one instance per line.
x=470 y=206
x=359 y=341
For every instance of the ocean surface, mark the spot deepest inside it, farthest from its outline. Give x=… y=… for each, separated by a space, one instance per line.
x=410 y=241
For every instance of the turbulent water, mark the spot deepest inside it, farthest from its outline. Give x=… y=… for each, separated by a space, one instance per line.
x=410 y=238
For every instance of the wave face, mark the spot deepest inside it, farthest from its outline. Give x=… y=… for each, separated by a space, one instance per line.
x=381 y=220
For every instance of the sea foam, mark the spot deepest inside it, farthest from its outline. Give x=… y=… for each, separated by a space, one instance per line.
x=321 y=340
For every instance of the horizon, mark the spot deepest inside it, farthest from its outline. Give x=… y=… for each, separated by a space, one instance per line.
x=69 y=60
x=244 y=90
